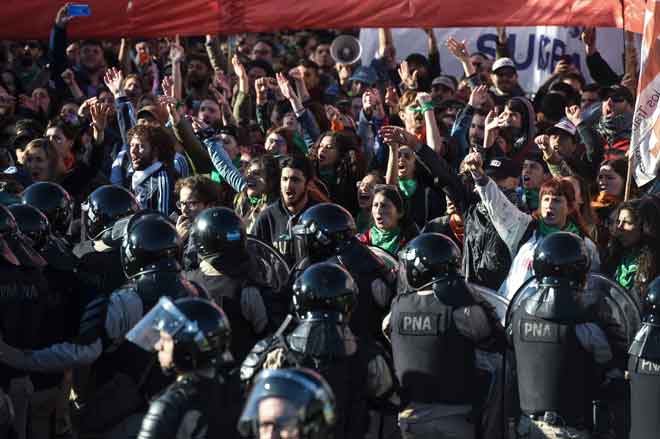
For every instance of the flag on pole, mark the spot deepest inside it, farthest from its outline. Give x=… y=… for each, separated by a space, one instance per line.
x=645 y=139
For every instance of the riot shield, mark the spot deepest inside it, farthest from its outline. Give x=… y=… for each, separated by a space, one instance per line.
x=614 y=308
x=274 y=271
x=498 y=302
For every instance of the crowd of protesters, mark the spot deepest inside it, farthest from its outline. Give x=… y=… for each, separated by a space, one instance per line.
x=270 y=125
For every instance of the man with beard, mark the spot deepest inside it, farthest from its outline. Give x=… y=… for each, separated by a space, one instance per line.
x=31 y=74
x=151 y=155
x=611 y=134
x=198 y=79
x=274 y=224
x=505 y=81
x=89 y=74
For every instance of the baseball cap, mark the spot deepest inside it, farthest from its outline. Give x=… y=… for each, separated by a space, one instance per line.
x=445 y=81
x=502 y=167
x=536 y=156
x=150 y=112
x=563 y=127
x=501 y=63
x=616 y=90
x=364 y=74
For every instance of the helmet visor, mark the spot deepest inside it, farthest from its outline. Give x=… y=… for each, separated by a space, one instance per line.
x=298 y=391
x=166 y=317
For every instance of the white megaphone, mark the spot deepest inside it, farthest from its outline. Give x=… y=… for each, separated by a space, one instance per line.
x=345 y=49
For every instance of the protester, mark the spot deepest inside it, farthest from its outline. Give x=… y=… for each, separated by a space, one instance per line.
x=281 y=158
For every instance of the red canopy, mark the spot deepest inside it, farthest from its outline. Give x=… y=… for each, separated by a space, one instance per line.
x=23 y=19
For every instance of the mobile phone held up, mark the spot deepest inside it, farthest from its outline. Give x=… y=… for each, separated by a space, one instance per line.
x=79 y=10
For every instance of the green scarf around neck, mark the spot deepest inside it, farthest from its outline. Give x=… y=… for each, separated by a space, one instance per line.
x=407 y=186
x=545 y=229
x=388 y=240
x=626 y=271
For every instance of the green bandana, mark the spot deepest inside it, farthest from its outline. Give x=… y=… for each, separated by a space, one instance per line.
x=388 y=240
x=254 y=200
x=545 y=229
x=531 y=198
x=626 y=271
x=407 y=186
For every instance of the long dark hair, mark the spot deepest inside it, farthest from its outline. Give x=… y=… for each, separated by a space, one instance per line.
x=406 y=224
x=646 y=214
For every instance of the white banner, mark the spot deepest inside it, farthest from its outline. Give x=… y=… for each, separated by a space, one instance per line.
x=645 y=139
x=536 y=50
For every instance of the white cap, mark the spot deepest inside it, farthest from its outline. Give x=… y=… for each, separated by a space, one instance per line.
x=503 y=62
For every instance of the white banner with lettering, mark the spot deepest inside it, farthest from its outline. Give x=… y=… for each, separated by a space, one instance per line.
x=536 y=50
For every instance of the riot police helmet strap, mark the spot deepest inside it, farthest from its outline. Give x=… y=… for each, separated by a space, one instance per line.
x=305 y=399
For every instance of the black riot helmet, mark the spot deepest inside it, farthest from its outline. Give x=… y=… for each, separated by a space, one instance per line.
x=428 y=258
x=32 y=223
x=151 y=244
x=325 y=290
x=219 y=235
x=53 y=201
x=323 y=231
x=561 y=258
x=652 y=302
x=302 y=400
x=104 y=207
x=14 y=247
x=199 y=328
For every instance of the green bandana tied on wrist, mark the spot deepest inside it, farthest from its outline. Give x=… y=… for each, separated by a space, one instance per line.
x=407 y=186
x=388 y=240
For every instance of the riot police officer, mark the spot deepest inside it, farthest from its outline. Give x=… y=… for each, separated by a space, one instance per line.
x=98 y=254
x=23 y=308
x=561 y=352
x=54 y=202
x=327 y=232
x=229 y=275
x=150 y=256
x=435 y=326
x=192 y=338
x=289 y=403
x=644 y=370
x=324 y=298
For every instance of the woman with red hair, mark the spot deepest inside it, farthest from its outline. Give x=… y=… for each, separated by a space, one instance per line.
x=522 y=232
